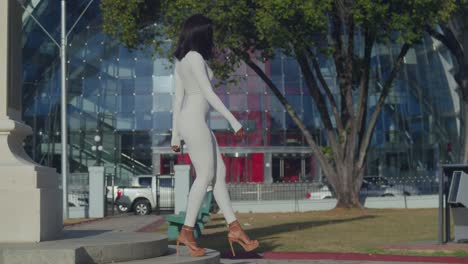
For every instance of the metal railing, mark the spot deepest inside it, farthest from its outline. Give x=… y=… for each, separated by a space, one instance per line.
x=300 y=190
x=270 y=191
x=78 y=190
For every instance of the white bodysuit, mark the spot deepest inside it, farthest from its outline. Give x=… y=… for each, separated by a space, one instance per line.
x=193 y=97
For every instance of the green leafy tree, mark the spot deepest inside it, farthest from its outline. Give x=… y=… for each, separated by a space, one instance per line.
x=453 y=34
x=253 y=31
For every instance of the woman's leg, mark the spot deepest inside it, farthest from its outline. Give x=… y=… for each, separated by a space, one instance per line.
x=220 y=191
x=201 y=154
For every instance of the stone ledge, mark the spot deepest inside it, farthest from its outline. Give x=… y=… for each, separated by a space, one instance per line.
x=211 y=257
x=97 y=246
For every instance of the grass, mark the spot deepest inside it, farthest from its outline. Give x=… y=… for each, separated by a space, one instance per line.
x=330 y=231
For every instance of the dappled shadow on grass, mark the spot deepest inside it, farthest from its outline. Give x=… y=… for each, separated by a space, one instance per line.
x=216 y=226
x=268 y=236
x=217 y=218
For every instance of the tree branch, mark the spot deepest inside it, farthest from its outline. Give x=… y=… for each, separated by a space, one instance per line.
x=320 y=102
x=378 y=107
x=453 y=43
x=326 y=88
x=350 y=140
x=339 y=60
x=326 y=166
x=369 y=39
x=442 y=38
x=449 y=39
x=349 y=66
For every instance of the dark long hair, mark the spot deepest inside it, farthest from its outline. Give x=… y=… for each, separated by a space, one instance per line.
x=196 y=35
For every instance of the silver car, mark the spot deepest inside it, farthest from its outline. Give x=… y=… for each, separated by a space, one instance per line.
x=149 y=193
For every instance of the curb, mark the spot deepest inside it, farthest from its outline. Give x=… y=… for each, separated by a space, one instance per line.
x=149 y=227
x=87 y=221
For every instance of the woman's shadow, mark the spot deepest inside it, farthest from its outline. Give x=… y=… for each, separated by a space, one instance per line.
x=266 y=235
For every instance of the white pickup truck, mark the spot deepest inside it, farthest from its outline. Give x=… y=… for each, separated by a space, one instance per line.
x=142 y=196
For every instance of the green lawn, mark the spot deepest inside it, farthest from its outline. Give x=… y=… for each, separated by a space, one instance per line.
x=328 y=231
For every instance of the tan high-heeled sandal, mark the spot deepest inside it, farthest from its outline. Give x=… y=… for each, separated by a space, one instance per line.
x=237 y=234
x=189 y=241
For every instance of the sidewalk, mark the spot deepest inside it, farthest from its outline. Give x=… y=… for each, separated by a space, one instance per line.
x=133 y=223
x=120 y=223
x=427 y=246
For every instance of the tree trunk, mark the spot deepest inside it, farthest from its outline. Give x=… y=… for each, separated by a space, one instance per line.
x=463 y=133
x=461 y=77
x=348 y=200
x=347 y=193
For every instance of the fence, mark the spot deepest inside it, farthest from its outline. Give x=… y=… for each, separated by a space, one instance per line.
x=78 y=190
x=300 y=190
x=277 y=191
x=270 y=191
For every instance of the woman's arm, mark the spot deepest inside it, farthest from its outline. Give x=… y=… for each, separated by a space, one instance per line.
x=179 y=96
x=201 y=76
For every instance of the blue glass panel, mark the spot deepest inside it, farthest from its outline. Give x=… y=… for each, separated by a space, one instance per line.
x=125 y=121
x=143 y=121
x=144 y=84
x=162 y=102
x=162 y=121
x=127 y=103
x=143 y=103
x=127 y=86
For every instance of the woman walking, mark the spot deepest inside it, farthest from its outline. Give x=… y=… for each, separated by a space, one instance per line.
x=193 y=97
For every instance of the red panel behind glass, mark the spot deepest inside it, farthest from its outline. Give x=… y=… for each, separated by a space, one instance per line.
x=267 y=106
x=257 y=167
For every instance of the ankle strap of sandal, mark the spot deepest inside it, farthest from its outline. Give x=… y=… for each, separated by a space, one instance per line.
x=188 y=228
x=235 y=223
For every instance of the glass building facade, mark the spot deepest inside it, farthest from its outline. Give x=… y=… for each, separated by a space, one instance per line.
x=119 y=108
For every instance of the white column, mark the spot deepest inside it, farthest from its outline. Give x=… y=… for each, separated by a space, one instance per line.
x=97 y=192
x=31 y=202
x=267 y=173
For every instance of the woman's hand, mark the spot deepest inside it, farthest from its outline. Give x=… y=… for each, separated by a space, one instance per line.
x=176 y=148
x=240 y=133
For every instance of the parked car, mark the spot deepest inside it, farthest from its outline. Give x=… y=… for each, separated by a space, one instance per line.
x=372 y=186
x=142 y=199
x=112 y=198
x=321 y=193
x=78 y=199
x=392 y=189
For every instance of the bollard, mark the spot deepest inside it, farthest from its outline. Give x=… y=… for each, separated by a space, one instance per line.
x=97 y=193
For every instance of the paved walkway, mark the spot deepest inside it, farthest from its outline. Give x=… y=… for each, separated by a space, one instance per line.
x=133 y=223
x=120 y=223
x=427 y=246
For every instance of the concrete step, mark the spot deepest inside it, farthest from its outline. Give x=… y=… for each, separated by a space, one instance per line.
x=87 y=247
x=211 y=257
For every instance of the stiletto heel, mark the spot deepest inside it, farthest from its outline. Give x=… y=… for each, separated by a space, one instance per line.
x=177 y=248
x=189 y=242
x=232 y=248
x=236 y=234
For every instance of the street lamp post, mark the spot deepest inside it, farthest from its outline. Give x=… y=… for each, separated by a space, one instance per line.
x=63 y=85
x=98 y=148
